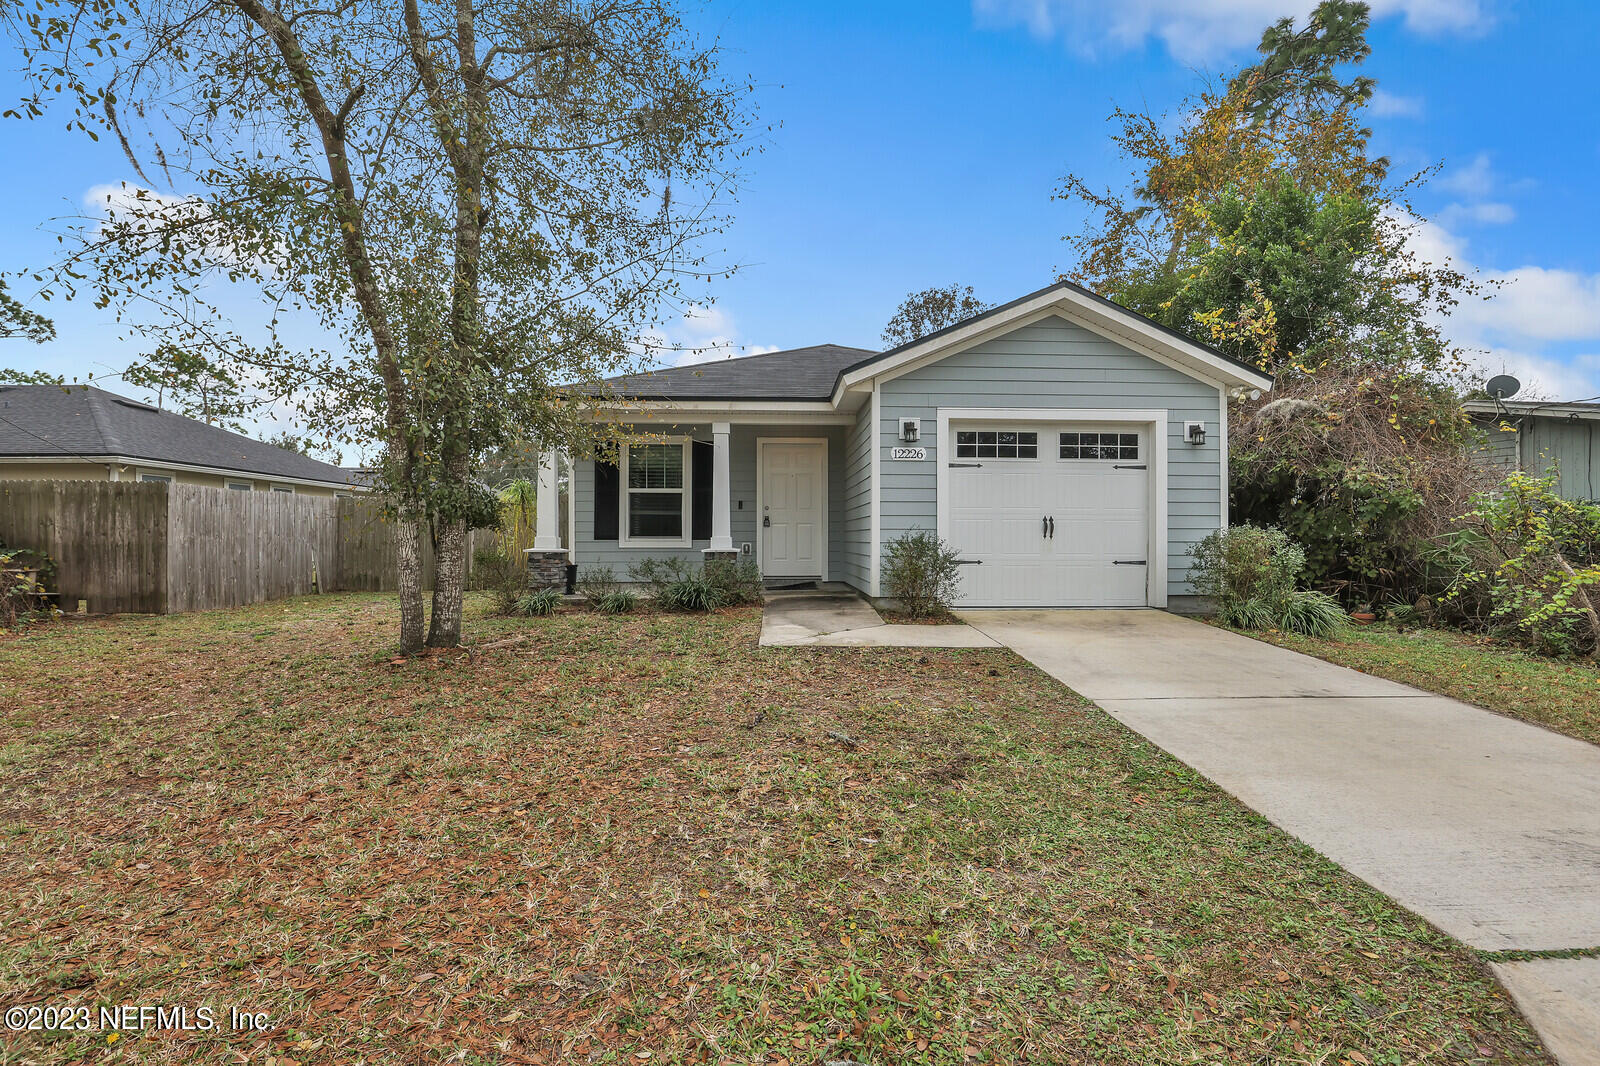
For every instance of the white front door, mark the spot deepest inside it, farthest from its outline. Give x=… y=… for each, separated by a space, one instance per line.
x=794 y=508
x=1050 y=514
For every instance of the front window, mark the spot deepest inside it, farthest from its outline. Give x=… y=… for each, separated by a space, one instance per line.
x=655 y=505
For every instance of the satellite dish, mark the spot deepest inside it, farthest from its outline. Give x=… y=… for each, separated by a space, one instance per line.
x=1502 y=387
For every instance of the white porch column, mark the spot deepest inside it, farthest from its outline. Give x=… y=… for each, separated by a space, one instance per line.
x=721 y=521
x=547 y=507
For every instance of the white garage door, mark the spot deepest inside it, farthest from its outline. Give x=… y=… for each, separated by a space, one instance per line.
x=1050 y=514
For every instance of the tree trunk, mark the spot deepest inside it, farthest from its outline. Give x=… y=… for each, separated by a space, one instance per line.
x=408 y=553
x=449 y=578
x=1584 y=602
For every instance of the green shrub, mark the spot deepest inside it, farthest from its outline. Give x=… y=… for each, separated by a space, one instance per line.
x=735 y=582
x=496 y=572
x=597 y=582
x=1244 y=563
x=657 y=574
x=618 y=602
x=693 y=593
x=1527 y=566
x=922 y=572
x=538 y=604
x=23 y=575
x=1251 y=572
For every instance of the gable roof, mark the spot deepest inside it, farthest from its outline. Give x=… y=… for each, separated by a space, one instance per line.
x=1076 y=303
x=80 y=422
x=819 y=372
x=1584 y=410
x=796 y=374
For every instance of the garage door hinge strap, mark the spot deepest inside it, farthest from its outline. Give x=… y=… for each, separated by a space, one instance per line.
x=1127 y=562
x=1141 y=466
x=965 y=464
x=969 y=562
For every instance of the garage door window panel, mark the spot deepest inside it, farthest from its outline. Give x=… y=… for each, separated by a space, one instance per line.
x=1099 y=446
x=997 y=444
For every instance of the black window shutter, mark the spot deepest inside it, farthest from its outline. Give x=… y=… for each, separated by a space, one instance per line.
x=701 y=483
x=606 y=480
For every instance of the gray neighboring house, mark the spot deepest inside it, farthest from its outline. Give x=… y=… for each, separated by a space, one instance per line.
x=1071 y=449
x=1534 y=437
x=81 y=433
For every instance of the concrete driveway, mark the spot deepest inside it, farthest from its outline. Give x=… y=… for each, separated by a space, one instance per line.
x=1485 y=826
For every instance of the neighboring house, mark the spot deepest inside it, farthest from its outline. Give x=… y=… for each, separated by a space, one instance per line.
x=1070 y=449
x=78 y=433
x=1532 y=436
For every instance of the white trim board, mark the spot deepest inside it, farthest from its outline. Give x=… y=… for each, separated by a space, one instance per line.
x=825 y=553
x=1155 y=421
x=876 y=491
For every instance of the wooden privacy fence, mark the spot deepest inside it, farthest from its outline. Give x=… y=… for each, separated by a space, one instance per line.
x=161 y=548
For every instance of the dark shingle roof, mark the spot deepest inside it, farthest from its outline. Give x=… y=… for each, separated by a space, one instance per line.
x=79 y=422
x=796 y=374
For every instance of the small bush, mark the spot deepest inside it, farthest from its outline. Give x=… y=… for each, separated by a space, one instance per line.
x=1527 y=566
x=538 y=604
x=597 y=582
x=735 y=582
x=1250 y=572
x=658 y=574
x=496 y=572
x=22 y=584
x=1244 y=563
x=921 y=572
x=618 y=602
x=689 y=594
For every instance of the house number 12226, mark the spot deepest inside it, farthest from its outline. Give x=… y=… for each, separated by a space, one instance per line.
x=908 y=453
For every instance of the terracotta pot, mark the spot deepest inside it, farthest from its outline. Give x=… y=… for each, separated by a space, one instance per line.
x=1363 y=618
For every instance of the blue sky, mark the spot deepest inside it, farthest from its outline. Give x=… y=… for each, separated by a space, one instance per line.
x=919 y=143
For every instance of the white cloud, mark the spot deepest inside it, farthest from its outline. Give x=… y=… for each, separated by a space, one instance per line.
x=1198 y=30
x=700 y=335
x=1488 y=213
x=1475 y=181
x=1392 y=105
x=1540 y=325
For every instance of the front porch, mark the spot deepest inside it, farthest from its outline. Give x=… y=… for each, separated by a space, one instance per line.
x=778 y=493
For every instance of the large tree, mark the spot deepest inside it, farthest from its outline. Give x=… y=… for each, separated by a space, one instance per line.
x=929 y=311
x=478 y=201
x=1264 y=224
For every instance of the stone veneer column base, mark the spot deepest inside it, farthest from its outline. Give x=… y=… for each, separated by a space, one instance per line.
x=720 y=555
x=546 y=569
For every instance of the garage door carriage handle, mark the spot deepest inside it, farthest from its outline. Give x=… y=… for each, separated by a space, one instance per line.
x=1052 y=521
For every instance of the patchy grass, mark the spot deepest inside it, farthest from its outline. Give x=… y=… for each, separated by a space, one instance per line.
x=630 y=839
x=1562 y=694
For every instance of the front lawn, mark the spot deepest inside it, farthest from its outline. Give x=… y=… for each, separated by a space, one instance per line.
x=1563 y=695
x=642 y=839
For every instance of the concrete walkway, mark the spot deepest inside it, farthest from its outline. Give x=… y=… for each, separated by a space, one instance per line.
x=1487 y=827
x=835 y=616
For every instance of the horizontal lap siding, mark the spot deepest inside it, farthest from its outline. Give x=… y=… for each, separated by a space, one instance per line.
x=741 y=490
x=1051 y=364
x=854 y=544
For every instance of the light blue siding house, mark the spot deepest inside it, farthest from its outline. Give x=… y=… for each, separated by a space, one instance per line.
x=1071 y=450
x=1543 y=437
